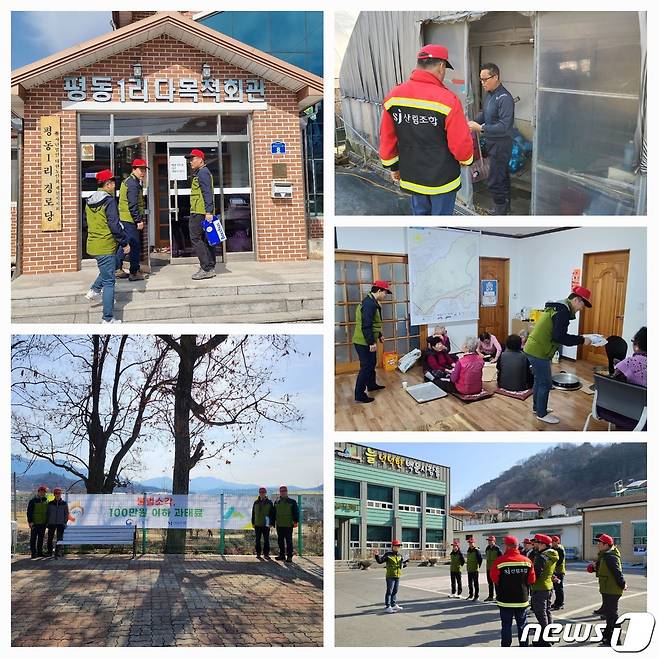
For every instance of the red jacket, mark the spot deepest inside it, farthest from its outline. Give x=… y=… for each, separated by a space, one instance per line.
x=512 y=574
x=467 y=374
x=424 y=134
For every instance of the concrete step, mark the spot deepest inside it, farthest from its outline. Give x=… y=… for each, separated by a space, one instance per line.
x=125 y=292
x=196 y=307
x=256 y=318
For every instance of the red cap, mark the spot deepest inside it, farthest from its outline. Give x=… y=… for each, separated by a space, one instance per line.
x=43 y=487
x=471 y=540
x=103 y=177
x=544 y=539
x=527 y=540
x=57 y=490
x=396 y=542
x=196 y=153
x=511 y=540
x=606 y=539
x=384 y=285
x=455 y=543
x=434 y=51
x=555 y=538
x=584 y=293
x=139 y=163
x=491 y=537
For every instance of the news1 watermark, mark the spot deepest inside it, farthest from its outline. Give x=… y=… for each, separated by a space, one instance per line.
x=639 y=627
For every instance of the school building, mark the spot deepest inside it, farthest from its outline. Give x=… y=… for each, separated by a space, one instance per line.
x=381 y=496
x=624 y=518
x=158 y=85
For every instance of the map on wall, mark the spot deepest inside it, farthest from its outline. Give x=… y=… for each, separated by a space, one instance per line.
x=444 y=273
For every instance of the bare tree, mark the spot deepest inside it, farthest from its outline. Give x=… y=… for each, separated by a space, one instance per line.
x=82 y=402
x=223 y=398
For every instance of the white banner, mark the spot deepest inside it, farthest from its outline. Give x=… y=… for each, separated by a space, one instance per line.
x=160 y=510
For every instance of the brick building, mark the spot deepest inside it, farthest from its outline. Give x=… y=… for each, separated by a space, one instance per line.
x=154 y=88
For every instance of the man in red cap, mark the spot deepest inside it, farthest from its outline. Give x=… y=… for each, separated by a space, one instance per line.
x=106 y=240
x=492 y=552
x=456 y=563
x=367 y=333
x=550 y=332
x=131 y=214
x=544 y=561
x=424 y=139
x=202 y=206
x=37 y=515
x=394 y=565
x=495 y=123
x=611 y=583
x=473 y=562
x=512 y=574
x=560 y=573
x=58 y=517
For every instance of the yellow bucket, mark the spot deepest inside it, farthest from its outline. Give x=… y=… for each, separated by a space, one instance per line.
x=390 y=361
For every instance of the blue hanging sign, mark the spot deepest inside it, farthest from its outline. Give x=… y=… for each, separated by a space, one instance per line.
x=278 y=148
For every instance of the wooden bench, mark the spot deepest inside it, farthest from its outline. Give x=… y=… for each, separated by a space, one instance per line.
x=99 y=535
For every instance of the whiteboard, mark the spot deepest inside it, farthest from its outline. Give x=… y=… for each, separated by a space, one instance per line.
x=444 y=273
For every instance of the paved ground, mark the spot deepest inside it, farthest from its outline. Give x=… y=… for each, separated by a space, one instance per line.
x=169 y=600
x=430 y=618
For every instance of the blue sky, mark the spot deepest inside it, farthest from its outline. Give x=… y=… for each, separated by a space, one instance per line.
x=37 y=34
x=471 y=464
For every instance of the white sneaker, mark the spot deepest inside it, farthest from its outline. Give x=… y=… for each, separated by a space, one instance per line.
x=548 y=411
x=112 y=321
x=390 y=610
x=397 y=607
x=92 y=295
x=451 y=596
x=549 y=418
x=458 y=596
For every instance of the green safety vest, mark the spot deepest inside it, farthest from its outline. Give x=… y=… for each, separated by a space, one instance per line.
x=561 y=568
x=472 y=560
x=455 y=562
x=394 y=565
x=100 y=241
x=283 y=509
x=261 y=512
x=124 y=210
x=540 y=343
x=40 y=510
x=197 y=204
x=544 y=580
x=357 y=337
x=607 y=582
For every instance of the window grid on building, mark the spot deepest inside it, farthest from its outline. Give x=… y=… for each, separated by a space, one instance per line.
x=379 y=504
x=612 y=529
x=435 y=511
x=409 y=508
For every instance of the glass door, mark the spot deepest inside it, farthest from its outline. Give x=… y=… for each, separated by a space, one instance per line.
x=178 y=193
x=125 y=151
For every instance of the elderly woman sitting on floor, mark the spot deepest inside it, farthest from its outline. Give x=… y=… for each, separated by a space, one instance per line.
x=466 y=375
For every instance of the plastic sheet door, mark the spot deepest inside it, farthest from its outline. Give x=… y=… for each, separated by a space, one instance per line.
x=454 y=35
x=588 y=96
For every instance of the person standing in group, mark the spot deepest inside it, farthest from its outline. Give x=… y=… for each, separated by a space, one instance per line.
x=57 y=518
x=131 y=214
x=106 y=239
x=262 y=518
x=544 y=560
x=424 y=139
x=202 y=207
x=611 y=583
x=550 y=331
x=512 y=574
x=496 y=123
x=560 y=573
x=37 y=517
x=286 y=518
x=456 y=564
x=473 y=562
x=367 y=334
x=492 y=552
x=394 y=565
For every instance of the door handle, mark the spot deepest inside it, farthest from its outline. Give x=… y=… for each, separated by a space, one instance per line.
x=619 y=317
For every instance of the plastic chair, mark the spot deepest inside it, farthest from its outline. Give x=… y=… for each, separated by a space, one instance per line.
x=616 y=348
x=618 y=403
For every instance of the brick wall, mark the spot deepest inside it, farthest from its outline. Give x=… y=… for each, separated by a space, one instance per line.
x=315 y=228
x=279 y=224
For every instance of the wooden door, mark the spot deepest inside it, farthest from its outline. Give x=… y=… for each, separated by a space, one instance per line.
x=494 y=316
x=605 y=274
x=161 y=198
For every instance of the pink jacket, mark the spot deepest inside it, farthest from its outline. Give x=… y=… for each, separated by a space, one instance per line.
x=491 y=346
x=467 y=374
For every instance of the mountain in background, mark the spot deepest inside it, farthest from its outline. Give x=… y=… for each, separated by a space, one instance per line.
x=43 y=472
x=567 y=473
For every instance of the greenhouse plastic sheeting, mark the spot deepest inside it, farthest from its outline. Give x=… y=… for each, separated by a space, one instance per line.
x=589 y=83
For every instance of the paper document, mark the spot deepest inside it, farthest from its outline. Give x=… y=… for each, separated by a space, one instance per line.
x=597 y=339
